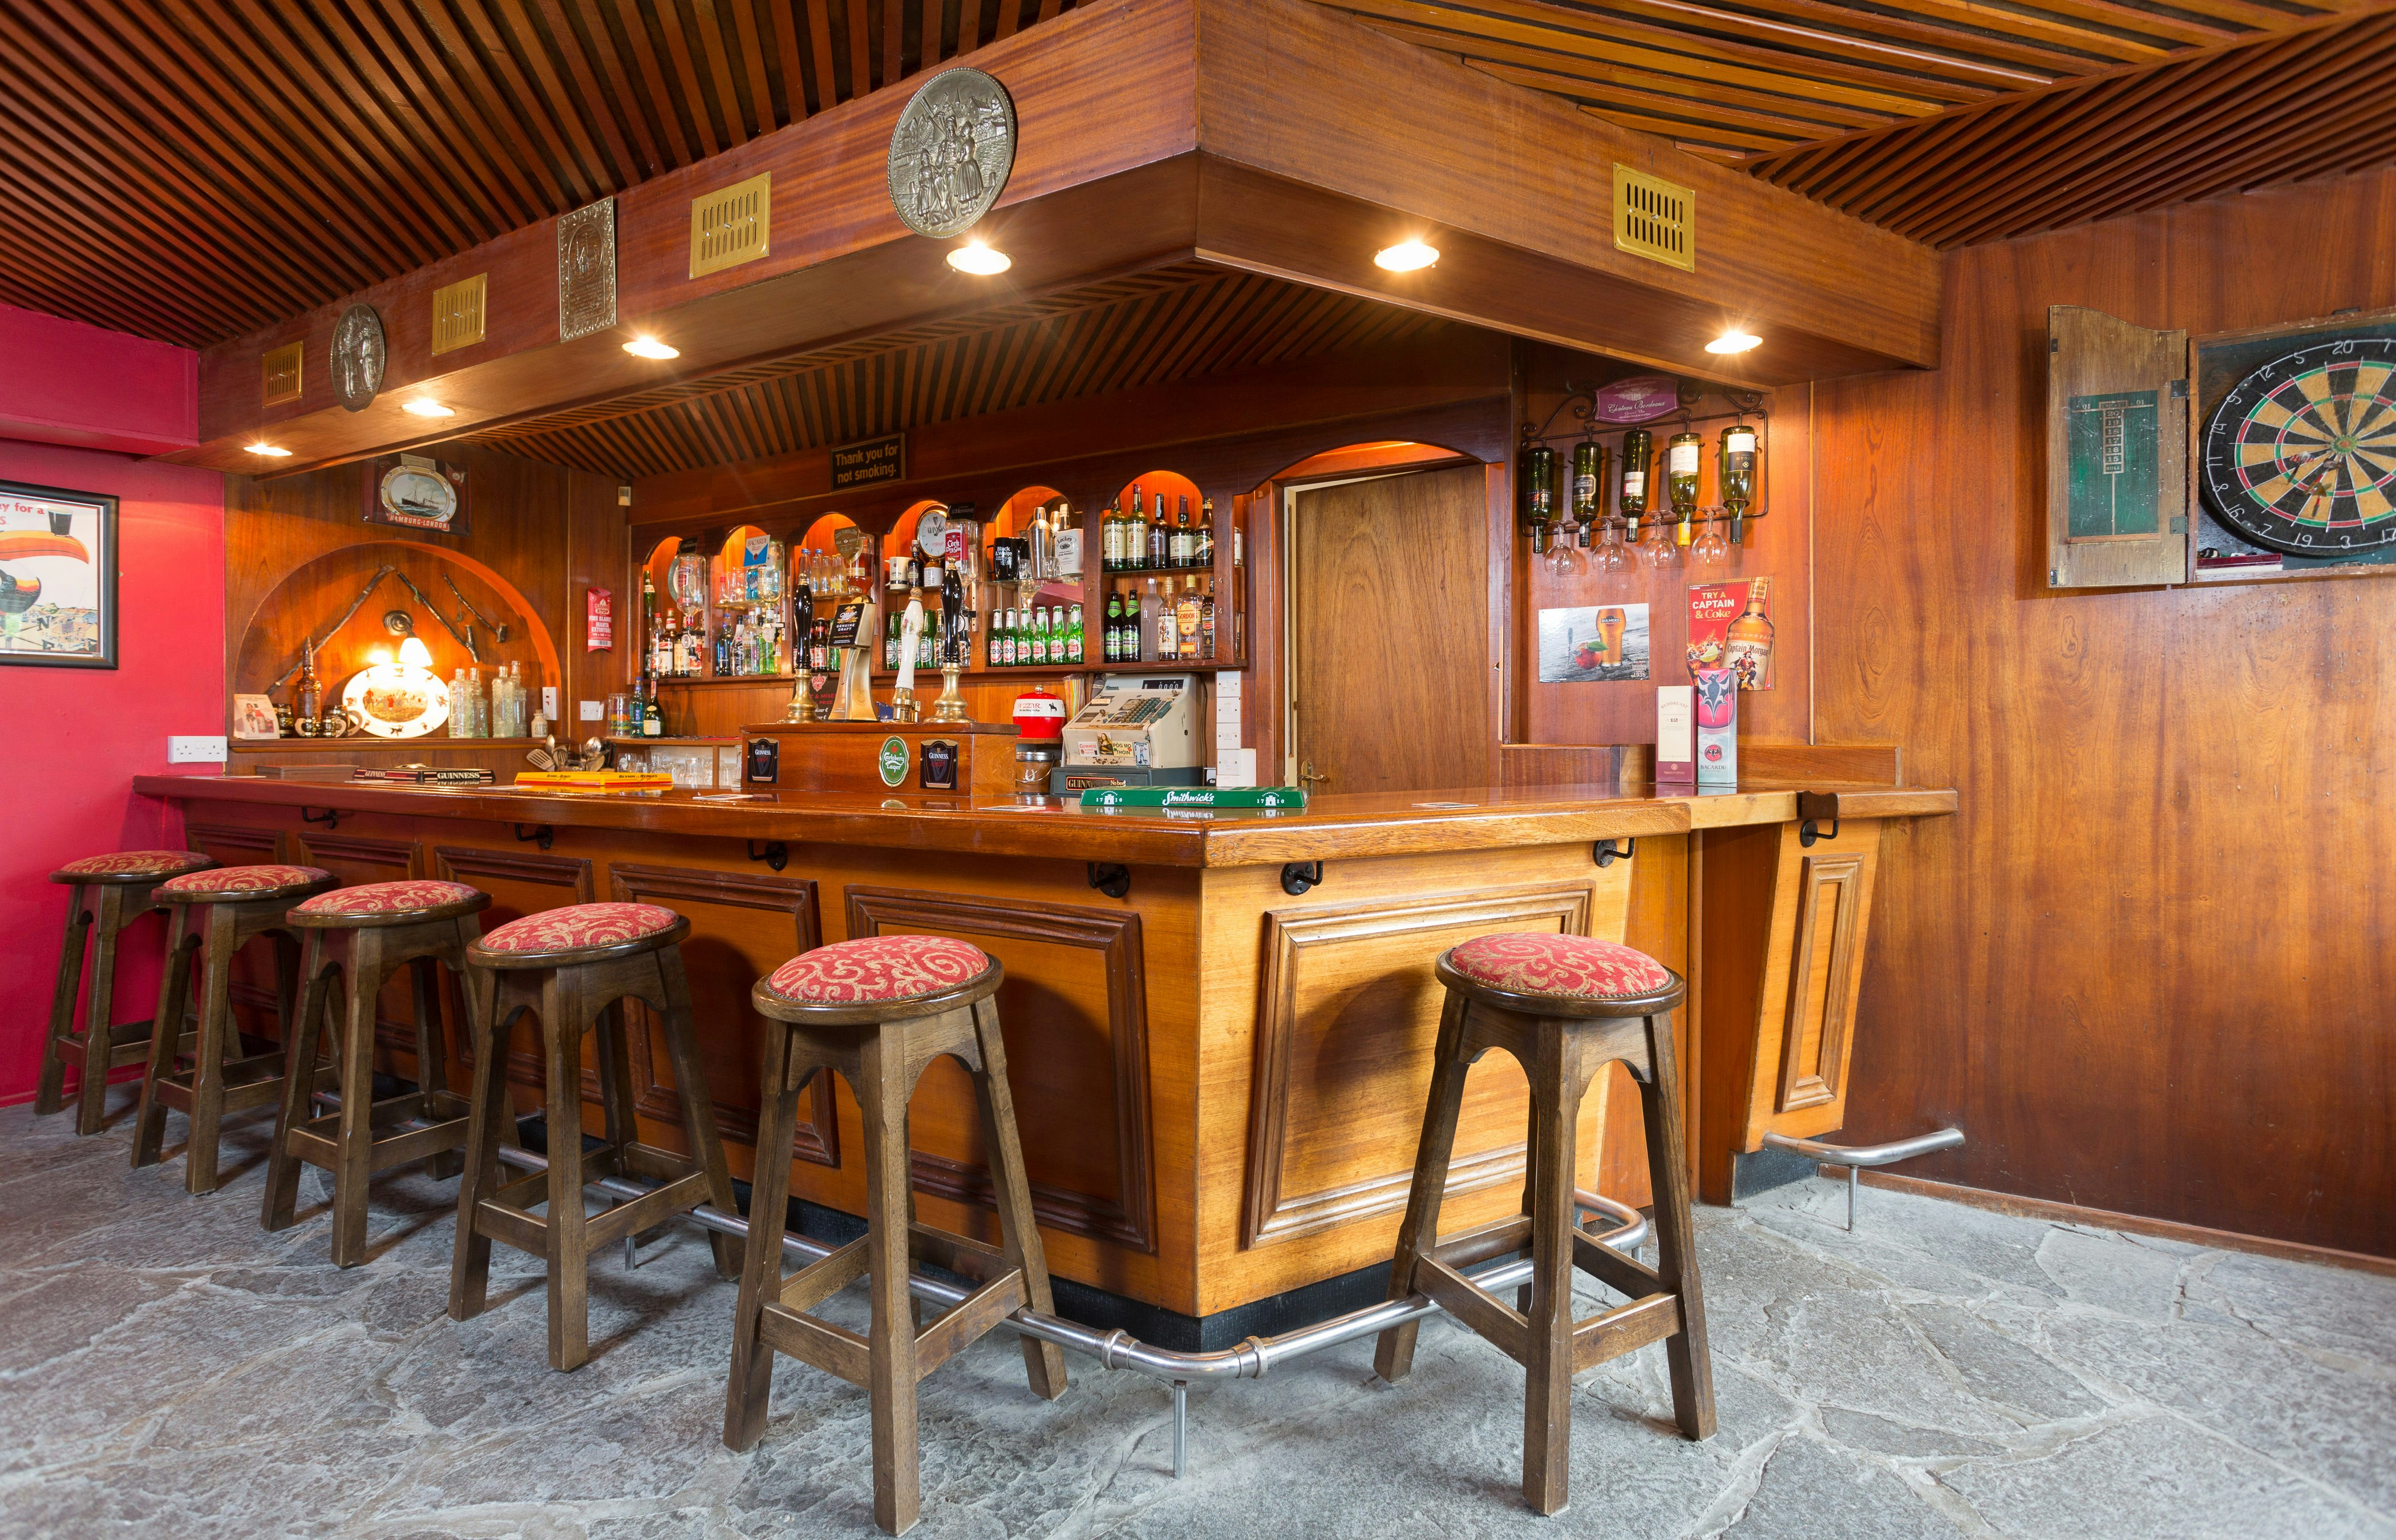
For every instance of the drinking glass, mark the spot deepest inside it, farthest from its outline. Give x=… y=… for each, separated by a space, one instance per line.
x=1658 y=549
x=1611 y=560
x=1711 y=548
x=1563 y=558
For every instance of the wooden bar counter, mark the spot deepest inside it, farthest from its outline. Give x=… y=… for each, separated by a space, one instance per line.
x=1219 y=1073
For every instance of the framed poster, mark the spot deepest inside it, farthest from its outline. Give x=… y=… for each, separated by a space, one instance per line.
x=1598 y=645
x=58 y=578
x=416 y=492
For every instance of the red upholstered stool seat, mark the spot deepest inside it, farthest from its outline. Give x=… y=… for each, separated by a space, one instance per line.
x=578 y=931
x=388 y=903
x=878 y=969
x=244 y=882
x=1547 y=967
x=132 y=865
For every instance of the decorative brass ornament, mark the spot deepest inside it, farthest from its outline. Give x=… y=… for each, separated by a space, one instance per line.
x=359 y=356
x=951 y=152
x=586 y=270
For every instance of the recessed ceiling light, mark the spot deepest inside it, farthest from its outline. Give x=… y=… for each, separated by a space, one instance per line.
x=1734 y=341
x=979 y=260
x=264 y=449
x=649 y=347
x=1407 y=256
x=427 y=406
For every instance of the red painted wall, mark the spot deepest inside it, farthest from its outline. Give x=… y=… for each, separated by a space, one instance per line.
x=72 y=740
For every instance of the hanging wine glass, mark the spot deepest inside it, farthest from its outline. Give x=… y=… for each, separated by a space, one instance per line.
x=1658 y=549
x=1711 y=548
x=1563 y=558
x=1611 y=561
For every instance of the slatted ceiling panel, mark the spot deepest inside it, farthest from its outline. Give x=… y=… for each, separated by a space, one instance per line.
x=194 y=169
x=1734 y=77
x=2221 y=121
x=1177 y=324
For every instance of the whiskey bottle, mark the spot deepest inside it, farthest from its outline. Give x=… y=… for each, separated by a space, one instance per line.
x=1162 y=626
x=311 y=693
x=1205 y=556
x=1159 y=535
x=1747 y=641
x=1638 y=448
x=1206 y=630
x=1178 y=545
x=1135 y=551
x=1186 y=617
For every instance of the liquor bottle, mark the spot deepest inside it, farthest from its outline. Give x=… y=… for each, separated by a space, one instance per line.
x=1114 y=628
x=1160 y=535
x=1207 y=630
x=1176 y=543
x=1135 y=535
x=1588 y=484
x=1638 y=447
x=1747 y=641
x=1538 y=492
x=1073 y=637
x=1737 y=475
x=1109 y=521
x=653 y=721
x=1684 y=468
x=1204 y=555
x=648 y=619
x=311 y=693
x=1186 y=615
x=1159 y=624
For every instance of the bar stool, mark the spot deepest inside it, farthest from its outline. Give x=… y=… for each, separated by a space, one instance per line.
x=242 y=903
x=419 y=925
x=123 y=881
x=570 y=967
x=1564 y=1006
x=878 y=1010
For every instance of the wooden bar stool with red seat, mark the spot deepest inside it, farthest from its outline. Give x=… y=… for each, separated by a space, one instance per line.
x=419 y=925
x=570 y=967
x=105 y=893
x=237 y=905
x=1564 y=1006
x=878 y=1010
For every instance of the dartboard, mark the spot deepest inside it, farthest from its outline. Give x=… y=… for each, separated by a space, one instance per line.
x=2301 y=458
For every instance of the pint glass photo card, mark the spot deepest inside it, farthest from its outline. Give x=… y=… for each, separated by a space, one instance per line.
x=1604 y=643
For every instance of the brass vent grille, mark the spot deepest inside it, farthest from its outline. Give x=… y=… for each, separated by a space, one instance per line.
x=1655 y=218
x=457 y=313
x=728 y=226
x=279 y=374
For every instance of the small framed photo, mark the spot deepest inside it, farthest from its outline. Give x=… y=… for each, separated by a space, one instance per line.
x=58 y=578
x=253 y=717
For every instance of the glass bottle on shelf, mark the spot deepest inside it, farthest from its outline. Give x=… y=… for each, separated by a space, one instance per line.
x=1135 y=535
x=1073 y=637
x=653 y=721
x=1163 y=628
x=1206 y=553
x=1186 y=619
x=1206 y=630
x=1160 y=535
x=1638 y=448
x=1114 y=628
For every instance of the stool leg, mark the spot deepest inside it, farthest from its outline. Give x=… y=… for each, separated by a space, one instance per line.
x=49 y=1094
x=1667 y=1173
x=174 y=999
x=217 y=1031
x=890 y=1343
x=761 y=1276
x=100 y=1042
x=1043 y=1363
x=565 y=1016
x=1556 y=1086
x=274 y=1211
x=697 y=1112
x=431 y=1061
x=1393 y=1357
x=487 y=1115
x=353 y=1158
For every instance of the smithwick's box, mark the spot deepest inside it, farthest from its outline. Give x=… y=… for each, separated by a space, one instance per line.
x=1676 y=738
x=1717 y=726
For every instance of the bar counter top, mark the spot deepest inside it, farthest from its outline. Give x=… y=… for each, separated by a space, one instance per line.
x=1334 y=825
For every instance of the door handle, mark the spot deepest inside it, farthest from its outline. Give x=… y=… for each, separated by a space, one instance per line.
x=1306 y=772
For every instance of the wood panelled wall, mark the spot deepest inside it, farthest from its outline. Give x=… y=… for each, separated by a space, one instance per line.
x=2149 y=966
x=540 y=538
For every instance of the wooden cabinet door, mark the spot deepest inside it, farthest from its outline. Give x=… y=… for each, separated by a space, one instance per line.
x=1389 y=603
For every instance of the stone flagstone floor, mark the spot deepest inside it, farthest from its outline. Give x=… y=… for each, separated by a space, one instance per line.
x=168 y=1369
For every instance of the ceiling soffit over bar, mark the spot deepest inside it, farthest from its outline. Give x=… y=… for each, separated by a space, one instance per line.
x=1729 y=78
x=2279 y=109
x=251 y=161
x=1152 y=132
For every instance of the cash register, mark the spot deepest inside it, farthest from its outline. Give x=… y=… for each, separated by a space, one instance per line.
x=1137 y=730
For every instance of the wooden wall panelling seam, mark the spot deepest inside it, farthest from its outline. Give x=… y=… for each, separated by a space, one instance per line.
x=1128 y=1219
x=816 y=1137
x=1304 y=940
x=2066 y=1048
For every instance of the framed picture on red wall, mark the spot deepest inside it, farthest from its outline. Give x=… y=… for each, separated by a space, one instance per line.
x=58 y=578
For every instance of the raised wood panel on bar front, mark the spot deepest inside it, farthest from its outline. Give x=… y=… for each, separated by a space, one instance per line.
x=1081 y=1075
x=1349 y=999
x=754 y=922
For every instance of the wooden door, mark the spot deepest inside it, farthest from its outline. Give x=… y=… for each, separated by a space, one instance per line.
x=1388 y=679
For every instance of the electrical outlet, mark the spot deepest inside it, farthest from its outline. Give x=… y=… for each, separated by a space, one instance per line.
x=195 y=750
x=593 y=710
x=549 y=701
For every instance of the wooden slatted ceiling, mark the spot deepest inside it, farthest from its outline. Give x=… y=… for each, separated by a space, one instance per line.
x=1737 y=77
x=2221 y=121
x=1167 y=325
x=193 y=169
